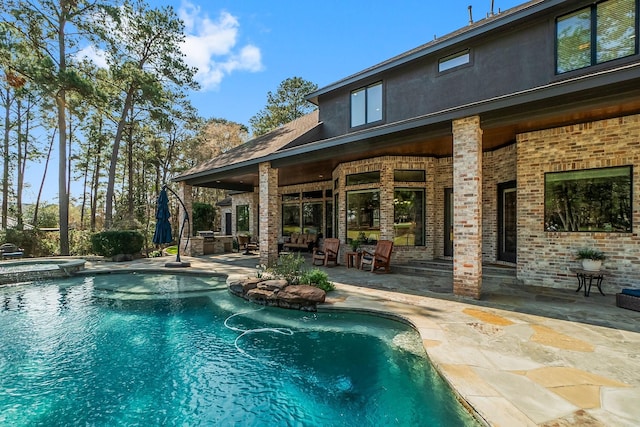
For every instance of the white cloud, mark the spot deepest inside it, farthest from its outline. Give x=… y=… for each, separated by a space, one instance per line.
x=211 y=46
x=97 y=56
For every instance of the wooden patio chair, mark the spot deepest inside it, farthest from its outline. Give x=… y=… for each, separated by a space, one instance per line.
x=244 y=242
x=328 y=253
x=380 y=258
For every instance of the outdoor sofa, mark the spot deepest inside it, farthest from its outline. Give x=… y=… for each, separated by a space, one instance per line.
x=10 y=250
x=629 y=299
x=300 y=241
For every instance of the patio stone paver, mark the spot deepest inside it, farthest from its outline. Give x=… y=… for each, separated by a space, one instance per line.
x=520 y=356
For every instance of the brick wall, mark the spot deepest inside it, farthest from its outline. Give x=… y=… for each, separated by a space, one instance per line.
x=245 y=199
x=498 y=167
x=544 y=258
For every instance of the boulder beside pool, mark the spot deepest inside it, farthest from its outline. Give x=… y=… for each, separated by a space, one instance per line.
x=277 y=293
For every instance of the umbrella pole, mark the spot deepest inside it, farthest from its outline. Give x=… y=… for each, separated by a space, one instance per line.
x=185 y=220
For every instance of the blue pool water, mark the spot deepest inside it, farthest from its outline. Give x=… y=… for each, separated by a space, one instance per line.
x=108 y=350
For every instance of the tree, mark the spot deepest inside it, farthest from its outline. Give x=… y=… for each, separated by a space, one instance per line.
x=285 y=105
x=53 y=30
x=150 y=70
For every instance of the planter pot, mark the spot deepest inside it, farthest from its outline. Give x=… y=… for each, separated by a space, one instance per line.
x=591 y=264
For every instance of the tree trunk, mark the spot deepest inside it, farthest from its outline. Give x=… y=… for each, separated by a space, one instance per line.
x=44 y=177
x=5 y=157
x=111 y=181
x=20 y=137
x=61 y=104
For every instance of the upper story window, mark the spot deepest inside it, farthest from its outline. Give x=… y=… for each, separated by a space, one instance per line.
x=453 y=61
x=366 y=105
x=599 y=33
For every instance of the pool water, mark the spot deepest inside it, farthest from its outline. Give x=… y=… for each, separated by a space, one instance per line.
x=80 y=352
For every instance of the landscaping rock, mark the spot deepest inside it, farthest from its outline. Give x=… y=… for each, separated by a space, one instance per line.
x=278 y=293
x=302 y=293
x=273 y=285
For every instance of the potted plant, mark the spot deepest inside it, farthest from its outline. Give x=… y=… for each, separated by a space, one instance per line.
x=591 y=258
x=355 y=244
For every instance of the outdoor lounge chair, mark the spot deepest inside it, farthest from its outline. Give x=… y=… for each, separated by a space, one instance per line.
x=328 y=253
x=244 y=242
x=380 y=258
x=10 y=250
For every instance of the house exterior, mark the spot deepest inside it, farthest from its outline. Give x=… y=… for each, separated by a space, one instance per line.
x=515 y=140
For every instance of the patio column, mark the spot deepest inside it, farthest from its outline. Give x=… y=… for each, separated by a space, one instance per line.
x=269 y=212
x=467 y=207
x=185 y=193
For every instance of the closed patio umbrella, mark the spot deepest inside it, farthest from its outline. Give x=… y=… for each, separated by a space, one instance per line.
x=162 y=233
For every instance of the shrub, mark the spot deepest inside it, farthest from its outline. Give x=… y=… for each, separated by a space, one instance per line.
x=317 y=278
x=204 y=216
x=36 y=243
x=288 y=267
x=110 y=243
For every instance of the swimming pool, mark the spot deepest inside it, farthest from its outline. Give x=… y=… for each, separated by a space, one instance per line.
x=179 y=350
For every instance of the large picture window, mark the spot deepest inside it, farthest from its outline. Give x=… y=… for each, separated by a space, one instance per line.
x=589 y=200
x=363 y=215
x=366 y=105
x=599 y=33
x=242 y=218
x=408 y=217
x=290 y=219
x=312 y=217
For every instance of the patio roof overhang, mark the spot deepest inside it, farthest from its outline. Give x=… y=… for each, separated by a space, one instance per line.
x=609 y=93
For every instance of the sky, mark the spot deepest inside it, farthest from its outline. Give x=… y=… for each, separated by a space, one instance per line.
x=245 y=48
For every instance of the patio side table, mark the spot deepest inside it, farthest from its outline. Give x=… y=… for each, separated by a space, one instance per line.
x=586 y=279
x=353 y=259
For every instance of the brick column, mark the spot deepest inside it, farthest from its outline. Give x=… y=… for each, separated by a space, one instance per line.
x=467 y=207
x=269 y=211
x=186 y=195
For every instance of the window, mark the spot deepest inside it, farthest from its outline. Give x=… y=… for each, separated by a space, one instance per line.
x=363 y=215
x=328 y=218
x=588 y=200
x=290 y=219
x=290 y=197
x=312 y=217
x=366 y=105
x=242 y=218
x=312 y=194
x=596 y=34
x=363 y=178
x=452 y=61
x=408 y=217
x=408 y=175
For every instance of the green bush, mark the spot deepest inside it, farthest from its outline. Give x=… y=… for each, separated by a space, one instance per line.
x=204 y=216
x=318 y=278
x=36 y=243
x=110 y=243
x=288 y=267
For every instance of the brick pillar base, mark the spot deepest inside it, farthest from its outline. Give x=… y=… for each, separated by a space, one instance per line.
x=467 y=207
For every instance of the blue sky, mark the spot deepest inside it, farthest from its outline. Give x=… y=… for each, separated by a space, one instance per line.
x=253 y=45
